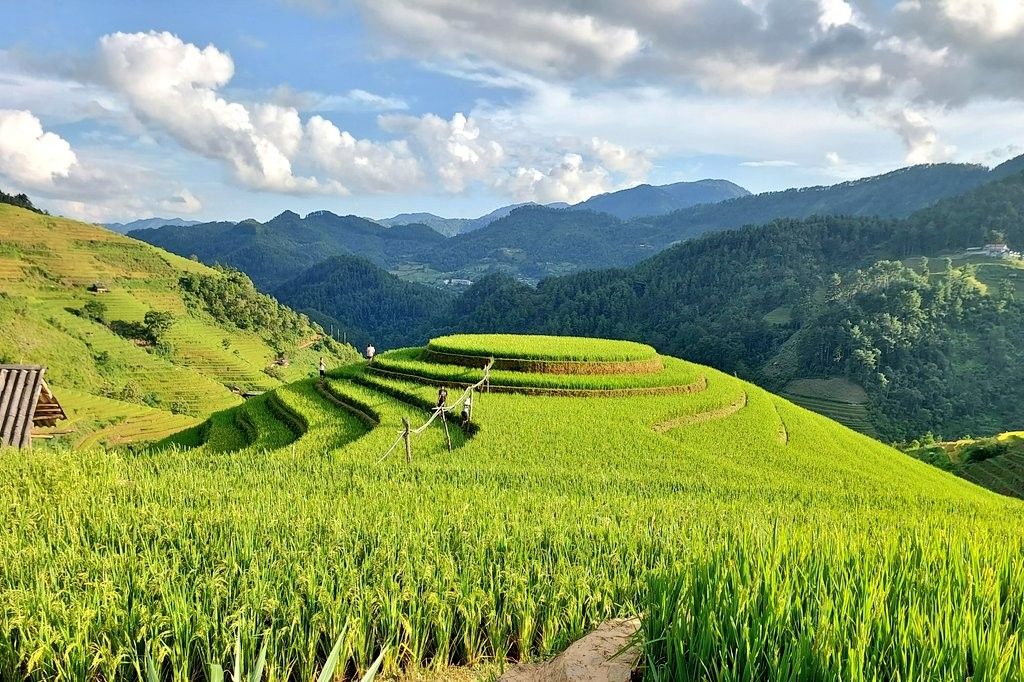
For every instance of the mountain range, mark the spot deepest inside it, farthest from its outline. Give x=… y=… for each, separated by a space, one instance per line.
x=149 y=224
x=634 y=202
x=532 y=242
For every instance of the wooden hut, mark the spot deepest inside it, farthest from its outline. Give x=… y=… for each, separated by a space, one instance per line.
x=26 y=402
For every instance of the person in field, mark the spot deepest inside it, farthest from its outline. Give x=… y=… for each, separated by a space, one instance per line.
x=323 y=369
x=370 y=352
x=442 y=397
x=467 y=410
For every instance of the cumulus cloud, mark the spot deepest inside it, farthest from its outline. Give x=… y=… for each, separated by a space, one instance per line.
x=458 y=151
x=571 y=180
x=382 y=167
x=29 y=156
x=176 y=86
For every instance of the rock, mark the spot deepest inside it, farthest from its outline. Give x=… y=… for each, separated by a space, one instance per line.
x=589 y=659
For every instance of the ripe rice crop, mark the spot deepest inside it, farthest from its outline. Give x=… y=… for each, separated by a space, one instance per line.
x=538 y=347
x=409 y=361
x=750 y=556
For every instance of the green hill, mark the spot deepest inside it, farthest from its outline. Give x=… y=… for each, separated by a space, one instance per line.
x=996 y=463
x=119 y=378
x=757 y=540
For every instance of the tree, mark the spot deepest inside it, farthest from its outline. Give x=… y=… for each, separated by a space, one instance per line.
x=157 y=322
x=94 y=310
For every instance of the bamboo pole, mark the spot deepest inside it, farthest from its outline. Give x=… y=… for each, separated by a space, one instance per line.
x=447 y=433
x=408 y=440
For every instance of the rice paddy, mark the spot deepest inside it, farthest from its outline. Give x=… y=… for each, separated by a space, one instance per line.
x=756 y=540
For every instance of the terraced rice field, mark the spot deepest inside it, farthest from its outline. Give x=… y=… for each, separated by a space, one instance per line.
x=756 y=539
x=46 y=267
x=837 y=399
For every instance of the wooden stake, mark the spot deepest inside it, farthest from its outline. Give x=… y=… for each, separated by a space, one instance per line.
x=408 y=440
x=447 y=434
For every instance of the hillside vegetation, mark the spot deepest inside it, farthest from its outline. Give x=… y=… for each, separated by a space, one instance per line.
x=996 y=463
x=756 y=539
x=139 y=343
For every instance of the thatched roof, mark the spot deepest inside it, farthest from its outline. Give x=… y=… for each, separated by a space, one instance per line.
x=25 y=402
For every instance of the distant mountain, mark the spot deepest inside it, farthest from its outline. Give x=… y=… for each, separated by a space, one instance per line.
x=148 y=224
x=450 y=227
x=366 y=303
x=273 y=252
x=646 y=200
x=533 y=242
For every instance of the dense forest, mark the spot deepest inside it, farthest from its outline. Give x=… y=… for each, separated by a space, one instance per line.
x=365 y=302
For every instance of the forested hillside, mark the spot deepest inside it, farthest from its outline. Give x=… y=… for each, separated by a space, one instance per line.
x=273 y=252
x=366 y=303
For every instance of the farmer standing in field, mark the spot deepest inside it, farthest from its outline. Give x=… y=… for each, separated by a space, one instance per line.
x=442 y=397
x=467 y=409
x=323 y=369
x=370 y=352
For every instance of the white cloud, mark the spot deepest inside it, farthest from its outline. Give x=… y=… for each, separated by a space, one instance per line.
x=992 y=18
x=175 y=85
x=919 y=137
x=458 y=151
x=182 y=202
x=29 y=156
x=769 y=163
x=634 y=164
x=570 y=181
x=363 y=164
x=354 y=100
x=528 y=35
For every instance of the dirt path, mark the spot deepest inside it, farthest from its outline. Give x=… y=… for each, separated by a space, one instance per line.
x=590 y=659
x=691 y=419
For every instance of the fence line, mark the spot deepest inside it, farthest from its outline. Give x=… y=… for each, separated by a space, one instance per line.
x=408 y=432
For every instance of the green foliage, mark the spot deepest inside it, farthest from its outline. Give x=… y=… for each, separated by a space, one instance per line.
x=95 y=310
x=230 y=297
x=157 y=323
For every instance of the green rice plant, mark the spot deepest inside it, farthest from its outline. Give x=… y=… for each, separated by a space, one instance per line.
x=411 y=363
x=749 y=554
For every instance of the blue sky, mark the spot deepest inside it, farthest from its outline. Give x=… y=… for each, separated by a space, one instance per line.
x=118 y=110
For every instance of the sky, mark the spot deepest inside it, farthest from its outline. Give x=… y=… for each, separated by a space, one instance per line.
x=112 y=111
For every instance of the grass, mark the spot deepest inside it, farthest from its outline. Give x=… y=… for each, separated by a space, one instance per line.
x=766 y=543
x=537 y=347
